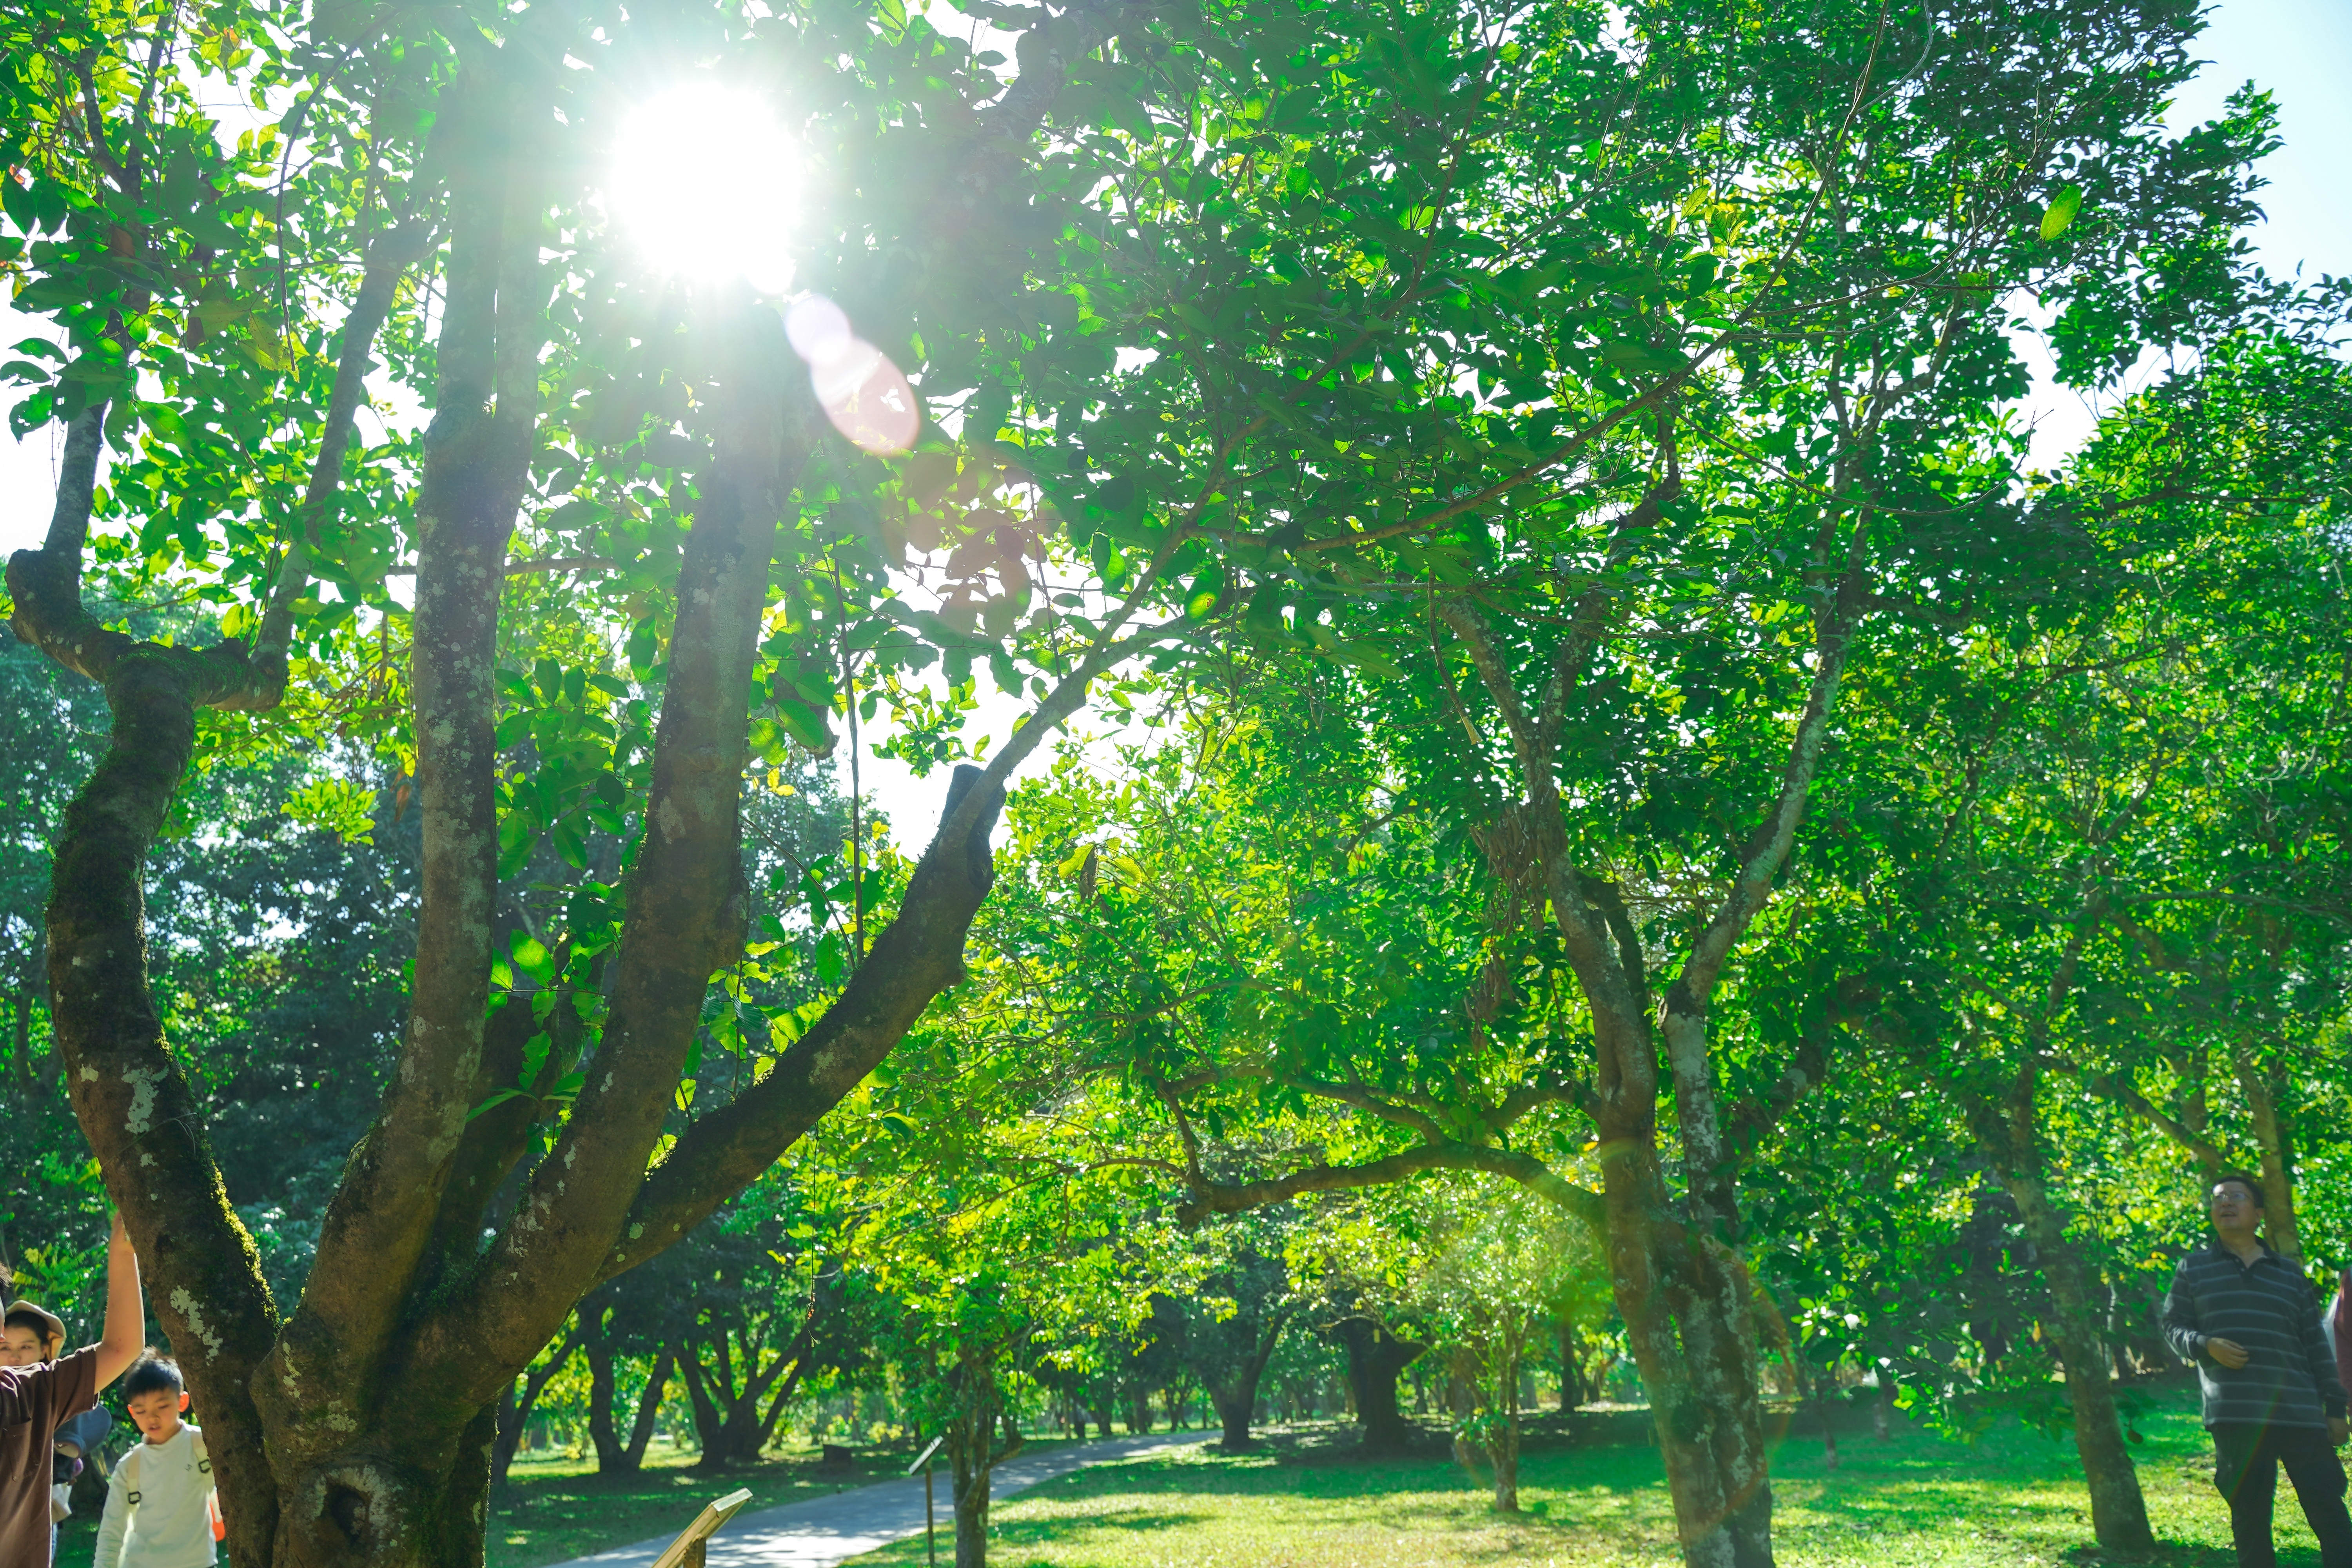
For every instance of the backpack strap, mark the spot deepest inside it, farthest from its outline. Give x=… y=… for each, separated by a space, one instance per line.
x=204 y=1459
x=131 y=1467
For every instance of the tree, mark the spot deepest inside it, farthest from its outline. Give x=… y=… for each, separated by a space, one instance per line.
x=2068 y=768
x=1498 y=1275
x=624 y=1320
x=1235 y=1326
x=516 y=1404
x=766 y=1307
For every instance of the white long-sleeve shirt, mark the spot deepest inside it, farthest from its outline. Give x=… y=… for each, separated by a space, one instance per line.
x=171 y=1526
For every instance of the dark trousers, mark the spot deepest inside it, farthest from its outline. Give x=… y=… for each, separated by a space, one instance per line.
x=2246 y=1460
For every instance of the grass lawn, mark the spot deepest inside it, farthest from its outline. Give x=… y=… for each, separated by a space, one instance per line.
x=2011 y=1500
x=553 y=1509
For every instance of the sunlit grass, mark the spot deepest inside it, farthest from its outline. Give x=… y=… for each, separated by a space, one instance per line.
x=2012 y=1499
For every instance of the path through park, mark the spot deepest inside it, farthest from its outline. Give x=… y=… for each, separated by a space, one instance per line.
x=832 y=1529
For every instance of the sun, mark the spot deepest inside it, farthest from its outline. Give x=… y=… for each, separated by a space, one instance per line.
x=704 y=184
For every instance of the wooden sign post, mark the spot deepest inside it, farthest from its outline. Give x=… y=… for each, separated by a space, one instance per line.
x=687 y=1551
x=930 y=1528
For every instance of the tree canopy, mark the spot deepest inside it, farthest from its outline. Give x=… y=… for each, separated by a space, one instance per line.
x=1619 y=714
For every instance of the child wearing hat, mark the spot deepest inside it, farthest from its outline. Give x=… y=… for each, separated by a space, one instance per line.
x=32 y=1335
x=37 y=1399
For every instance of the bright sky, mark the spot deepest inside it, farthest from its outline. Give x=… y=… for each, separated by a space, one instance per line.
x=2299 y=49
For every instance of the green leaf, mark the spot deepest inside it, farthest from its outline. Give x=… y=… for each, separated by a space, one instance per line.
x=534 y=1056
x=2061 y=211
x=496 y=1098
x=830 y=962
x=530 y=956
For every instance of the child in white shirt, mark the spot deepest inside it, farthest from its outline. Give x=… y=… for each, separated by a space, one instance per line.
x=161 y=1511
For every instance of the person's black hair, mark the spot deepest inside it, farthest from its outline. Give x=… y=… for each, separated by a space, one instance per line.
x=2246 y=1179
x=23 y=1317
x=152 y=1374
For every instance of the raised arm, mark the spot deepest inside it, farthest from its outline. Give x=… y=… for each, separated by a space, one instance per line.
x=126 y=1309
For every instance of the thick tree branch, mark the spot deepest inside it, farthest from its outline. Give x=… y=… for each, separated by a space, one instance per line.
x=1754 y=1120
x=1364 y=1100
x=917 y=956
x=688 y=907
x=1767 y=850
x=323 y=1376
x=1589 y=623
x=141 y=1120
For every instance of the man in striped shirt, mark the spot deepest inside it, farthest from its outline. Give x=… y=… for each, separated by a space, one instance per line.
x=2249 y=1320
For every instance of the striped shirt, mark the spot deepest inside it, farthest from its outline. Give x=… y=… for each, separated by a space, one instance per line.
x=2267 y=1306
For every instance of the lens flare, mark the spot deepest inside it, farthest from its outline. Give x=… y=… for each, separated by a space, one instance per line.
x=865 y=395
x=705 y=185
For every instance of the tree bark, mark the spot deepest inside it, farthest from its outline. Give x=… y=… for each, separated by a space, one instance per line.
x=641 y=1432
x=973 y=1452
x=2118 y=1513
x=734 y=1420
x=2277 y=1146
x=1503 y=1443
x=1678 y=1282
x=596 y=1343
x=1375 y=1357
x=1235 y=1395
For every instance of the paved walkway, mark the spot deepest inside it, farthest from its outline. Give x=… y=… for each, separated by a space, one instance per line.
x=829 y=1530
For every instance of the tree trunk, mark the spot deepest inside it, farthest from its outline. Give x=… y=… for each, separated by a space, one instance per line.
x=709 y=1420
x=602 y=1433
x=364 y=1432
x=1503 y=1443
x=1234 y=1418
x=971 y=1521
x=1375 y=1357
x=1718 y=1331
x=973 y=1454
x=2277 y=1146
x=1684 y=1297
x=649 y=1402
x=2118 y=1513
x=511 y=1414
x=732 y=1421
x=1821 y=1404
x=1678 y=1282
x=1235 y=1394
